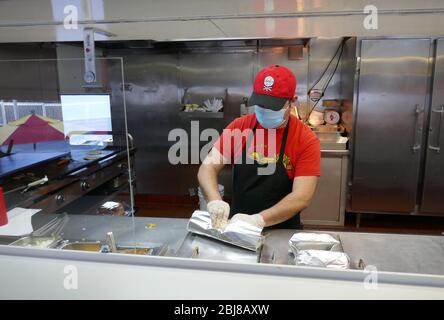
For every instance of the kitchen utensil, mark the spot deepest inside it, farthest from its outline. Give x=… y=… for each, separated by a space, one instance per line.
x=52 y=228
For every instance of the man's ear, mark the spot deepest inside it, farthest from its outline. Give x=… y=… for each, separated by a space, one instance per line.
x=289 y=103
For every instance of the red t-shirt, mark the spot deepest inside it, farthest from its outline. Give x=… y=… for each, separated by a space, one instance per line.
x=302 y=154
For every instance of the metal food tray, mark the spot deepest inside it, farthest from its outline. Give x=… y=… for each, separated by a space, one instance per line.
x=37 y=242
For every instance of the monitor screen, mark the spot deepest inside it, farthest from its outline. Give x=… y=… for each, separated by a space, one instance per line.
x=85 y=113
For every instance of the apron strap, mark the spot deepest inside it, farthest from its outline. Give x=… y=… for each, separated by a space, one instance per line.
x=250 y=138
x=283 y=144
x=284 y=141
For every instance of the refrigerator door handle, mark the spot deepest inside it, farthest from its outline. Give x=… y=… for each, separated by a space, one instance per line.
x=419 y=112
x=437 y=147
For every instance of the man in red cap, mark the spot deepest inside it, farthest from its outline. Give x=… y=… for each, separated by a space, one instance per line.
x=265 y=200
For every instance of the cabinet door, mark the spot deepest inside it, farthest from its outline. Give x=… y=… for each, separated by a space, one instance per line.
x=433 y=191
x=327 y=203
x=390 y=114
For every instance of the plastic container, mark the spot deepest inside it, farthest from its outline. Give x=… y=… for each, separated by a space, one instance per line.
x=203 y=201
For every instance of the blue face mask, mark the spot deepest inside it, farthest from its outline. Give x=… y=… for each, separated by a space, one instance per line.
x=268 y=118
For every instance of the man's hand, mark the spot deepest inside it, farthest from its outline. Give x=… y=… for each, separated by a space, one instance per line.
x=254 y=219
x=219 y=211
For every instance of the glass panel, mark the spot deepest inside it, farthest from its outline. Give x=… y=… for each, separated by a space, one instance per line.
x=66 y=157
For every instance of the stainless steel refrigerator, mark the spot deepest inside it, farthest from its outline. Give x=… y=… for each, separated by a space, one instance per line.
x=397 y=146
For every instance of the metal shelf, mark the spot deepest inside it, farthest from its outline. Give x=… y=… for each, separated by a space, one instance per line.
x=200 y=115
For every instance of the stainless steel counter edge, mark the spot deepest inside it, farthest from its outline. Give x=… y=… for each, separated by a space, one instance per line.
x=335 y=152
x=221 y=266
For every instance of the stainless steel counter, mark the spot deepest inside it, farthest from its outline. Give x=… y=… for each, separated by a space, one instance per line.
x=171 y=232
x=329 y=201
x=212 y=249
x=388 y=252
x=333 y=152
x=148 y=231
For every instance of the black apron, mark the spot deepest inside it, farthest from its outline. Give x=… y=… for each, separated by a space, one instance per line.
x=253 y=193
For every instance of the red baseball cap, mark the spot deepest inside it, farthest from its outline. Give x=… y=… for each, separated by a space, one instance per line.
x=273 y=86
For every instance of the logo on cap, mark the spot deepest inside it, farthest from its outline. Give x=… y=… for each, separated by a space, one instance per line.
x=268 y=83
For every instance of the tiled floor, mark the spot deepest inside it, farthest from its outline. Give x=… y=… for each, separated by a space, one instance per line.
x=183 y=207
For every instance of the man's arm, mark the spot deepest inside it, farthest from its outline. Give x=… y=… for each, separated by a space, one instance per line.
x=299 y=199
x=208 y=172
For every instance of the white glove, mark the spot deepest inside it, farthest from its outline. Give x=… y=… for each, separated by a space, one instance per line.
x=219 y=211
x=254 y=219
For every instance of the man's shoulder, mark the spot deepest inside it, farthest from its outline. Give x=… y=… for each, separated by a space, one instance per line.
x=301 y=132
x=299 y=127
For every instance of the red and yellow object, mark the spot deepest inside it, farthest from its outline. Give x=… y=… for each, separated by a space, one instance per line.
x=3 y=213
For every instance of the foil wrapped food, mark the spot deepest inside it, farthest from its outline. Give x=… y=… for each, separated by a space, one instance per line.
x=238 y=233
x=318 y=250
x=313 y=241
x=322 y=258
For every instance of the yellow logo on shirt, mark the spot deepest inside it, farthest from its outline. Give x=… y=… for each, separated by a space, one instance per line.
x=287 y=163
x=260 y=158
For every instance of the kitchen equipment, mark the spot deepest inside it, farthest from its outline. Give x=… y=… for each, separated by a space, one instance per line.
x=52 y=228
x=22 y=160
x=328 y=128
x=30 y=185
x=82 y=246
x=152 y=250
x=36 y=242
x=47 y=236
x=111 y=241
x=331 y=116
x=328 y=133
x=197 y=247
x=316 y=118
x=397 y=164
